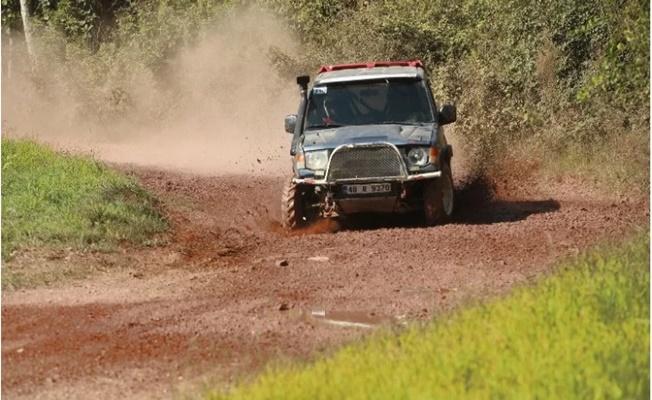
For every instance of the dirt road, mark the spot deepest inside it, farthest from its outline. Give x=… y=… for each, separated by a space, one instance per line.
x=231 y=291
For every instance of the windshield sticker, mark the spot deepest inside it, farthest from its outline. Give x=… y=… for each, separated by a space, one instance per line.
x=320 y=90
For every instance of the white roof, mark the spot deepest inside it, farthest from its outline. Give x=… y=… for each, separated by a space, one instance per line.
x=365 y=74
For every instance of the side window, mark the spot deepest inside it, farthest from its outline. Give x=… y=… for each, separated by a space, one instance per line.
x=316 y=113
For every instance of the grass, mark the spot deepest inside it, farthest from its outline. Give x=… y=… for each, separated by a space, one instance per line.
x=581 y=333
x=62 y=202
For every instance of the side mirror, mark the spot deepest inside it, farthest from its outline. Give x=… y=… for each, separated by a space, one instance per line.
x=447 y=114
x=290 y=123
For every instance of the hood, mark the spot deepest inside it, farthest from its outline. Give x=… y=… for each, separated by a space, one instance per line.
x=398 y=135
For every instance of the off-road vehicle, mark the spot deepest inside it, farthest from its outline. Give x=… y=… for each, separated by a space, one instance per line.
x=368 y=138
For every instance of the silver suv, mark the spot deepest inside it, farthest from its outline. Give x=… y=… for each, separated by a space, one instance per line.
x=368 y=138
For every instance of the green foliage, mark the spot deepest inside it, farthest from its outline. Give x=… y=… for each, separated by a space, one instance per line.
x=154 y=31
x=312 y=18
x=10 y=11
x=623 y=68
x=582 y=333
x=75 y=18
x=60 y=201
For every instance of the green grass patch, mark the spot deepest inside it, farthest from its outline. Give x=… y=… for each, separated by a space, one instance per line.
x=57 y=201
x=583 y=333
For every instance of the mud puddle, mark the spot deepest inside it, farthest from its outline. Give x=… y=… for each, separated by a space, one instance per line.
x=352 y=319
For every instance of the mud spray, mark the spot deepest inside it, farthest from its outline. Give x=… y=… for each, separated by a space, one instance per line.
x=218 y=108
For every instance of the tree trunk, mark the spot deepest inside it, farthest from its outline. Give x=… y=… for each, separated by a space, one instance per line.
x=7 y=56
x=11 y=56
x=27 y=28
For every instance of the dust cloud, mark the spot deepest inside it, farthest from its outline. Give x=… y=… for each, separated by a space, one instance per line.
x=217 y=108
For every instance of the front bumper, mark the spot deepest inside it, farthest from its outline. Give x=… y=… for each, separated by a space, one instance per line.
x=399 y=199
x=408 y=178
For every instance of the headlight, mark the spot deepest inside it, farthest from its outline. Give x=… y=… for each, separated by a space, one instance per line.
x=316 y=159
x=418 y=156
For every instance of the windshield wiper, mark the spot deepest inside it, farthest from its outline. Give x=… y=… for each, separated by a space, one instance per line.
x=402 y=123
x=324 y=126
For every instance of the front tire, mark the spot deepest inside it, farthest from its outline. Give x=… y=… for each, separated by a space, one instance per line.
x=296 y=206
x=439 y=198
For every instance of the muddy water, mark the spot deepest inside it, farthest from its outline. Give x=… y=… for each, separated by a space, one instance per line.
x=352 y=319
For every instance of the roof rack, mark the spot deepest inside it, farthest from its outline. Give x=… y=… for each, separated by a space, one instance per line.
x=337 y=67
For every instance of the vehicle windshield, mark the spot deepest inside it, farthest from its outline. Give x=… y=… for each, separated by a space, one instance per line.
x=369 y=102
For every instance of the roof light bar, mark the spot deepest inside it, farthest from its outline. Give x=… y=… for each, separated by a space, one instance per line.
x=338 y=67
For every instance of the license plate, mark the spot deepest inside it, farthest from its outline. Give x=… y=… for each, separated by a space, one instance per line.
x=371 y=188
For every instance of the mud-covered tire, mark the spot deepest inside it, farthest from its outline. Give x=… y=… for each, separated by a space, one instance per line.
x=294 y=206
x=439 y=198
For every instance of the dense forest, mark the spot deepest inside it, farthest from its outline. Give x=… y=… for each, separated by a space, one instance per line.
x=564 y=83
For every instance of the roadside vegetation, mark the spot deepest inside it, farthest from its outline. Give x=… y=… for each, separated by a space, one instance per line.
x=582 y=333
x=61 y=202
x=563 y=85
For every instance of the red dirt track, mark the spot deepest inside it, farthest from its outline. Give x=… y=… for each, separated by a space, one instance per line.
x=215 y=304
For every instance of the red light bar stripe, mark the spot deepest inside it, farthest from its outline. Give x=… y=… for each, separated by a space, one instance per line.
x=338 y=67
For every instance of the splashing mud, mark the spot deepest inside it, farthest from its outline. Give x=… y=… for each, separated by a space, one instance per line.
x=475 y=190
x=325 y=225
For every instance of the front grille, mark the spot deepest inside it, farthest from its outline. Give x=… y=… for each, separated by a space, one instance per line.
x=364 y=161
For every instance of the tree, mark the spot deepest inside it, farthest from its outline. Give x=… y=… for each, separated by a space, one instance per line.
x=27 y=29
